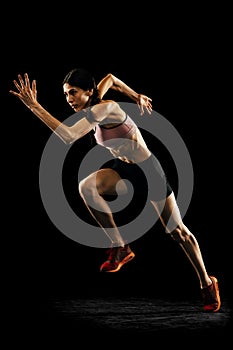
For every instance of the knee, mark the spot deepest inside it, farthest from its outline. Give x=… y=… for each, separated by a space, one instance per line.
x=86 y=188
x=179 y=234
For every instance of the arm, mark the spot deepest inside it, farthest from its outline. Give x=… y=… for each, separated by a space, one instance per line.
x=111 y=82
x=28 y=95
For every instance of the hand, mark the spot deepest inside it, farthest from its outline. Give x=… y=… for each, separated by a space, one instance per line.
x=27 y=94
x=144 y=102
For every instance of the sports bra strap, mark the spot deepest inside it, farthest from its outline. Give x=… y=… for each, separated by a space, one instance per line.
x=114 y=126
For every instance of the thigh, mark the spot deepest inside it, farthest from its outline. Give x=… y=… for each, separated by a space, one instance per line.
x=108 y=182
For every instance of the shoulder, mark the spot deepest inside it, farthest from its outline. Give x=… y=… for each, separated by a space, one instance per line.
x=106 y=109
x=109 y=106
x=108 y=102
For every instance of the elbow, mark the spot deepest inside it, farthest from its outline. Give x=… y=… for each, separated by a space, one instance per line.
x=68 y=141
x=70 y=138
x=110 y=76
x=66 y=135
x=115 y=83
x=113 y=79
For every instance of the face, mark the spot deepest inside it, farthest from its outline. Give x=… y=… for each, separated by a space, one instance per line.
x=77 y=98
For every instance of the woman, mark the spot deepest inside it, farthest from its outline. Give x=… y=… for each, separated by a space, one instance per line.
x=116 y=131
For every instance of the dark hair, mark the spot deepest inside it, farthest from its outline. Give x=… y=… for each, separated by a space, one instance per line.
x=83 y=79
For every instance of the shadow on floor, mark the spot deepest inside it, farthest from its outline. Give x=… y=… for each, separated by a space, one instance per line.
x=91 y=319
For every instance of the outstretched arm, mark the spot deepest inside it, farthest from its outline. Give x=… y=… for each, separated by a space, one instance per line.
x=28 y=95
x=111 y=82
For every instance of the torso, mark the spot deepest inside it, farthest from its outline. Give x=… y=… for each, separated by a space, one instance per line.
x=124 y=140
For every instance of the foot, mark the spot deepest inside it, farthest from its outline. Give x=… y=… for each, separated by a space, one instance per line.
x=118 y=256
x=211 y=297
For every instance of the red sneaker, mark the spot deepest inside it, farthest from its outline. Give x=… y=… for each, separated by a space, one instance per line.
x=118 y=256
x=211 y=296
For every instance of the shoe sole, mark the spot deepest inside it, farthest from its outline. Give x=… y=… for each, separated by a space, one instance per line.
x=215 y=282
x=123 y=262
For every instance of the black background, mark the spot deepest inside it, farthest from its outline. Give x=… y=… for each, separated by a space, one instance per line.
x=181 y=61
